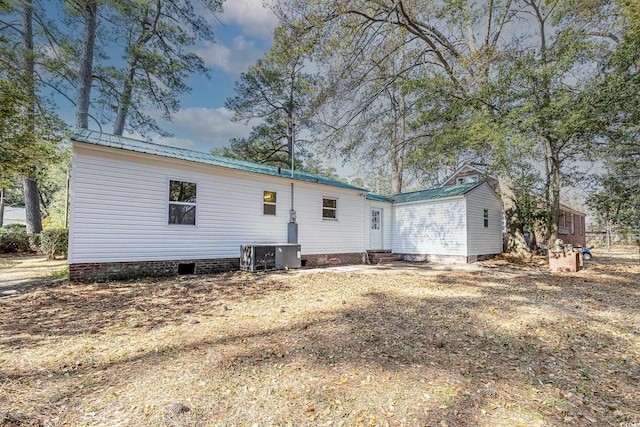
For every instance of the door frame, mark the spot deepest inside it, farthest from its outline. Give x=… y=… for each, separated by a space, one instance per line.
x=378 y=230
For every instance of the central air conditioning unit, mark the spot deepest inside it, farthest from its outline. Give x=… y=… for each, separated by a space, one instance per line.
x=269 y=256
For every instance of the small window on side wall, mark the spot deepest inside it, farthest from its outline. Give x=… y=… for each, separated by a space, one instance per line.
x=329 y=208
x=182 y=202
x=269 y=203
x=486 y=218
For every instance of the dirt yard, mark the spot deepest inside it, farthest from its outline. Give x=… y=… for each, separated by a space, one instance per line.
x=492 y=344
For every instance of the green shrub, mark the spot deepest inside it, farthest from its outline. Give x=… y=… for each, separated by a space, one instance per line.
x=14 y=240
x=34 y=242
x=54 y=241
x=15 y=227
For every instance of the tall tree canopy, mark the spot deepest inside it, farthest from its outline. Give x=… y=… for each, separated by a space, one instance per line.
x=276 y=92
x=504 y=81
x=616 y=98
x=139 y=55
x=29 y=131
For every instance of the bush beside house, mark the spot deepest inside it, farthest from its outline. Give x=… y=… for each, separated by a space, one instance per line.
x=51 y=242
x=54 y=242
x=14 y=239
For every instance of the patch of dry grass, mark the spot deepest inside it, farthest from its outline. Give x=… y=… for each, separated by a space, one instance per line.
x=29 y=266
x=415 y=346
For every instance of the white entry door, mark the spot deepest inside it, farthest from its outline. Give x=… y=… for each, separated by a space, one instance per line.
x=376 y=229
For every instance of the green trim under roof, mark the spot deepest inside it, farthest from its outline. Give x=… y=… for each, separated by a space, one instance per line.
x=378 y=198
x=123 y=143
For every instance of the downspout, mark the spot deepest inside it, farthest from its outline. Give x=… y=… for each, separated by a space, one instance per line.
x=292 y=226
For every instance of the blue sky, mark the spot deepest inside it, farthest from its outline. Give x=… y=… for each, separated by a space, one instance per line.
x=243 y=35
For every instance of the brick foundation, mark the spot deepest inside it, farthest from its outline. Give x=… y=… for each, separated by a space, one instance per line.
x=446 y=259
x=100 y=272
x=104 y=271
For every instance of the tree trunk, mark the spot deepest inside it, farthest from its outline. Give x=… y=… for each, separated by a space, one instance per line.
x=553 y=191
x=397 y=143
x=1 y=206
x=516 y=244
x=31 y=199
x=555 y=199
x=30 y=185
x=85 y=74
x=125 y=99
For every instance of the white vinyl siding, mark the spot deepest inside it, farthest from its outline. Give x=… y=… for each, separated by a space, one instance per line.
x=119 y=210
x=436 y=227
x=483 y=240
x=321 y=236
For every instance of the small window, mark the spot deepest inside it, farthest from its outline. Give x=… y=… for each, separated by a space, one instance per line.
x=329 y=208
x=182 y=202
x=375 y=219
x=467 y=179
x=269 y=203
x=486 y=218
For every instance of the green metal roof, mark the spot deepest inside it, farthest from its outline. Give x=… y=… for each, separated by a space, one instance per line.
x=435 y=193
x=114 y=141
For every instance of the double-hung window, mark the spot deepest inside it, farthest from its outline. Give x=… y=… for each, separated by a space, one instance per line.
x=182 y=202
x=329 y=208
x=486 y=218
x=269 y=203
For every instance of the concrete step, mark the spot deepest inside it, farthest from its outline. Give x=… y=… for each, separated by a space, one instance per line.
x=383 y=257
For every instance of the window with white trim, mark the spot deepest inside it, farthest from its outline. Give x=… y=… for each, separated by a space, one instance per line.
x=182 y=202
x=329 y=208
x=486 y=218
x=269 y=203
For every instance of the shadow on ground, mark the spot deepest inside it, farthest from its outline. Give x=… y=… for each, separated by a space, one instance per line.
x=539 y=346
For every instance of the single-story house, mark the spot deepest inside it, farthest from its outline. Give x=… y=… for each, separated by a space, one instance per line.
x=143 y=209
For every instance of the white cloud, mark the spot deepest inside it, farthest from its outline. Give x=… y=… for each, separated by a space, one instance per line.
x=210 y=127
x=252 y=16
x=234 y=59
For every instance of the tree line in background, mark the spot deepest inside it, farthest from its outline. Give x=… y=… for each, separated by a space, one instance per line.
x=408 y=90
x=119 y=62
x=412 y=89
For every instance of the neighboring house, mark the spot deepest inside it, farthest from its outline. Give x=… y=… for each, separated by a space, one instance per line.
x=469 y=173
x=571 y=222
x=571 y=226
x=14 y=215
x=141 y=209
